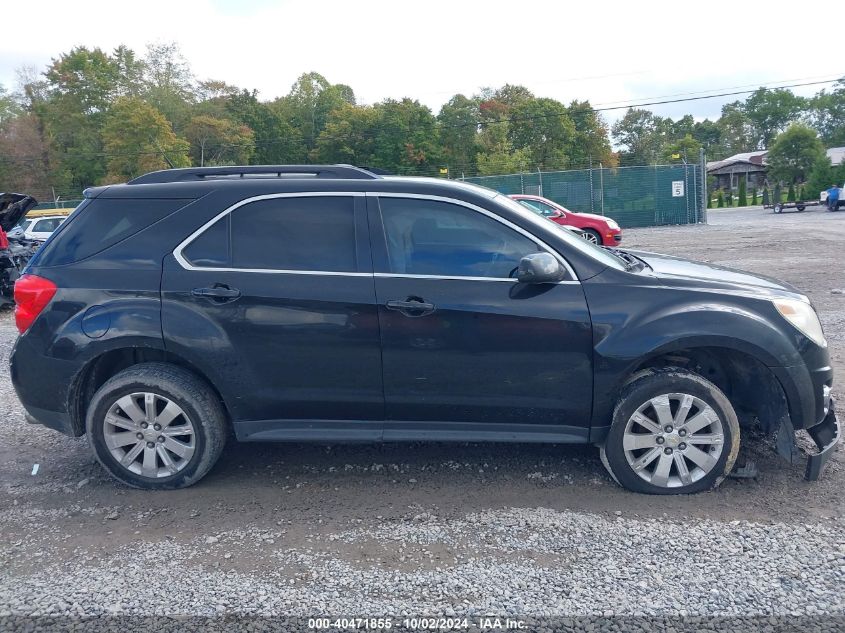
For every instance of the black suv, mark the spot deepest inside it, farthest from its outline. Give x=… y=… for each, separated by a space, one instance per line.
x=327 y=303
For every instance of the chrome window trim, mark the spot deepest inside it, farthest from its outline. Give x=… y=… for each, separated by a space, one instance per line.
x=184 y=263
x=489 y=214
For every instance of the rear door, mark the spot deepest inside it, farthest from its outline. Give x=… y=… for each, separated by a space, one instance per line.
x=275 y=297
x=467 y=350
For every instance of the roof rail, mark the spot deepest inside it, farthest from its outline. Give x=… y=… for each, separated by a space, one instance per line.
x=195 y=174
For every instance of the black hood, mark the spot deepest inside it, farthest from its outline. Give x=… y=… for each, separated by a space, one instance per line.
x=13 y=206
x=675 y=268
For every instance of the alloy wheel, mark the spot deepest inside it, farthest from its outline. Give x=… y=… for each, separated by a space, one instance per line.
x=590 y=237
x=673 y=440
x=149 y=435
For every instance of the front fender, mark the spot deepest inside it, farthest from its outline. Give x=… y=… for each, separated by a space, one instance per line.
x=658 y=321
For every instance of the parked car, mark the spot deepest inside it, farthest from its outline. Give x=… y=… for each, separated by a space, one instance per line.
x=330 y=304
x=40 y=228
x=597 y=229
x=15 y=257
x=19 y=229
x=839 y=203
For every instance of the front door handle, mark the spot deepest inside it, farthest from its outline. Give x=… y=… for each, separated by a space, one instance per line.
x=411 y=307
x=219 y=293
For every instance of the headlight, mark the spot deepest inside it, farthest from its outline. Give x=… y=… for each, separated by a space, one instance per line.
x=612 y=224
x=803 y=317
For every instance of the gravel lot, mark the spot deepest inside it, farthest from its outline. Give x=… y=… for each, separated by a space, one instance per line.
x=438 y=529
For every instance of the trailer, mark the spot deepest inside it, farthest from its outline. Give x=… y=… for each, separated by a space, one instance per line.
x=780 y=207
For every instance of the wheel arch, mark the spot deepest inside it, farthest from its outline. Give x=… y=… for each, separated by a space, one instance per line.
x=740 y=371
x=106 y=364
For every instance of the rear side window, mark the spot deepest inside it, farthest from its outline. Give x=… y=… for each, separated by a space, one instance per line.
x=313 y=233
x=103 y=223
x=44 y=226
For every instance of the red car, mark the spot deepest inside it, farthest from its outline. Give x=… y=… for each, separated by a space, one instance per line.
x=597 y=229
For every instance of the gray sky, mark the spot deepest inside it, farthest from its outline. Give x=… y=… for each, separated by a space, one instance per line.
x=605 y=51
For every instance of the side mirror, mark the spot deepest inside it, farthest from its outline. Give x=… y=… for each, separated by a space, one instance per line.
x=557 y=214
x=539 y=268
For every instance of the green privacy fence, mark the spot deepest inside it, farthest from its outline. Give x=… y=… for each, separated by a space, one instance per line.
x=633 y=196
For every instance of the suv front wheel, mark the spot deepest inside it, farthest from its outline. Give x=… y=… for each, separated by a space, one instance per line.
x=156 y=426
x=673 y=432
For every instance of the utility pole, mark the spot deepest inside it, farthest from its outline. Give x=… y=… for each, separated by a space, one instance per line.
x=704 y=194
x=601 y=186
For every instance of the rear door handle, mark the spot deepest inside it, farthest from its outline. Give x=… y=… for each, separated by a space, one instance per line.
x=220 y=293
x=411 y=307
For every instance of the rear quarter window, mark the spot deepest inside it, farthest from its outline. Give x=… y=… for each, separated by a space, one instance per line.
x=102 y=223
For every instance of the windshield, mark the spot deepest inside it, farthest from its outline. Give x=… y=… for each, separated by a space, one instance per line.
x=591 y=250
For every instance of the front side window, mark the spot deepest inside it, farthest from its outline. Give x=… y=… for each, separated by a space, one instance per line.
x=430 y=237
x=315 y=233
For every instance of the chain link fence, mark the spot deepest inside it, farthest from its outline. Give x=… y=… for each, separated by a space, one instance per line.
x=633 y=196
x=61 y=204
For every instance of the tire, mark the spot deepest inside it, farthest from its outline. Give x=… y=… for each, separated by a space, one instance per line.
x=800 y=207
x=593 y=236
x=629 y=444
x=184 y=426
x=777 y=208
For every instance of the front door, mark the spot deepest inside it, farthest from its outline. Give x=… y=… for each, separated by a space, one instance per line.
x=276 y=299
x=465 y=347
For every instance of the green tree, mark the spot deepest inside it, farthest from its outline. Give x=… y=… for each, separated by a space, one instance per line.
x=26 y=163
x=742 y=197
x=130 y=72
x=591 y=143
x=729 y=197
x=219 y=141
x=138 y=138
x=770 y=112
x=502 y=159
x=708 y=134
x=9 y=108
x=720 y=199
x=79 y=89
x=639 y=134
x=823 y=174
x=407 y=139
x=276 y=140
x=827 y=114
x=458 y=125
x=736 y=133
x=169 y=82
x=687 y=147
x=790 y=193
x=309 y=103
x=794 y=153
x=544 y=130
x=349 y=137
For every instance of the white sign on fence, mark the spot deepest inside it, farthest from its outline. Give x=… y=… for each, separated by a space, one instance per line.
x=677 y=188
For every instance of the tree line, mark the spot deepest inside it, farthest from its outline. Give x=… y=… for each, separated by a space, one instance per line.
x=95 y=117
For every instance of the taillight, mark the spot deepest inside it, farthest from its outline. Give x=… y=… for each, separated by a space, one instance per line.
x=32 y=294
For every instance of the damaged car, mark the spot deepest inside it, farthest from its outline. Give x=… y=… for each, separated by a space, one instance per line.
x=17 y=250
x=327 y=303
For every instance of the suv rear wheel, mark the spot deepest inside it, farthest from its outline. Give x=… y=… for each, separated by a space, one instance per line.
x=673 y=432
x=156 y=426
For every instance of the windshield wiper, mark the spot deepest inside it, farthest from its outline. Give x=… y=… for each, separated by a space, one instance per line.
x=631 y=262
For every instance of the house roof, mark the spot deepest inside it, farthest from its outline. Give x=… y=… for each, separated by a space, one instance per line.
x=754 y=161
x=836 y=155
